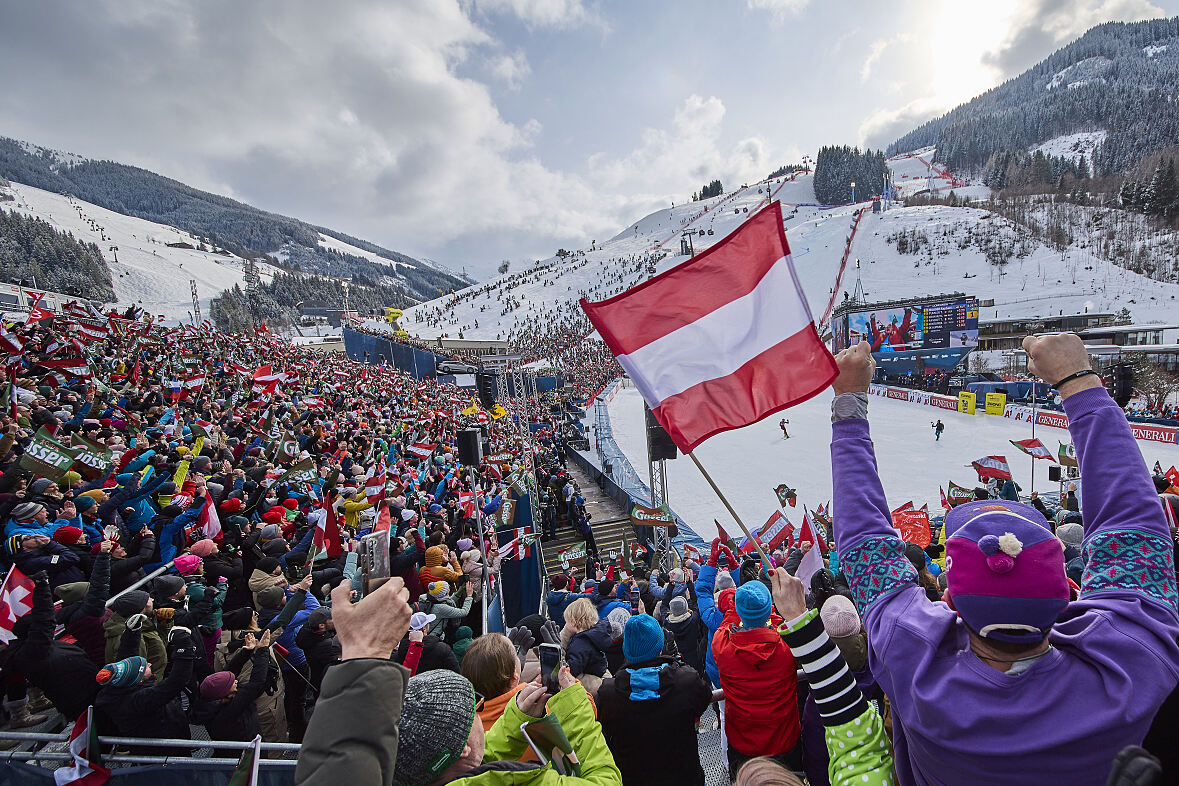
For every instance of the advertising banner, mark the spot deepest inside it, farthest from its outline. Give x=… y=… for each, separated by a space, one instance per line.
x=967 y=403
x=995 y=404
x=913 y=526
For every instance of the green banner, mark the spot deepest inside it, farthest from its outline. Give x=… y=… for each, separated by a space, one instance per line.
x=46 y=456
x=644 y=516
x=303 y=472
x=92 y=460
x=574 y=555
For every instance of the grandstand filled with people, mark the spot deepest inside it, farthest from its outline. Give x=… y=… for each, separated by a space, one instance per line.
x=183 y=516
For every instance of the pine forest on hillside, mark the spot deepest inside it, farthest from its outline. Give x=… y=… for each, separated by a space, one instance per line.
x=1122 y=78
x=31 y=250
x=836 y=168
x=277 y=301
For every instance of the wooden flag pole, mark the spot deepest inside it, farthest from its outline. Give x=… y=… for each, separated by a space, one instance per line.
x=757 y=545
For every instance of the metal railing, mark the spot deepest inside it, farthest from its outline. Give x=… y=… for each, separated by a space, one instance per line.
x=139 y=742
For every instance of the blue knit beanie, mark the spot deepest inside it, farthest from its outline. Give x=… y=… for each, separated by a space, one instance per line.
x=642 y=639
x=753 y=604
x=123 y=673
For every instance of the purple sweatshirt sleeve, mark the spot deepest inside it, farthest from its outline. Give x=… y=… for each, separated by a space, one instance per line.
x=871 y=553
x=1127 y=545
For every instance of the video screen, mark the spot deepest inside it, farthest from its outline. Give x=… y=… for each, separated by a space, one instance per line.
x=907 y=328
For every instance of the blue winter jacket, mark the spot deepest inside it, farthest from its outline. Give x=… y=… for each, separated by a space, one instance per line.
x=711 y=615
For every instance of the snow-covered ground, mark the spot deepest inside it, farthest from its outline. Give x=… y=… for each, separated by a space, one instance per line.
x=915 y=172
x=148 y=272
x=1073 y=146
x=748 y=463
x=347 y=248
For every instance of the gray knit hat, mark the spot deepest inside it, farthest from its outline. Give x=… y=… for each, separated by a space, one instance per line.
x=25 y=511
x=1070 y=534
x=436 y=719
x=724 y=580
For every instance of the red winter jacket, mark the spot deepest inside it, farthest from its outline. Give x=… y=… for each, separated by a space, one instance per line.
x=757 y=673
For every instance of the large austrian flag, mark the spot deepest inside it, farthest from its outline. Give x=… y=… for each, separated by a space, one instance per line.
x=722 y=340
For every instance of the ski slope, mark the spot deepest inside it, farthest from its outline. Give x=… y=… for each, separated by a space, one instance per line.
x=148 y=272
x=748 y=463
x=1043 y=283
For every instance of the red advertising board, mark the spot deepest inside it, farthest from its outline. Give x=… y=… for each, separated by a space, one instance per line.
x=944 y=402
x=913 y=526
x=1153 y=433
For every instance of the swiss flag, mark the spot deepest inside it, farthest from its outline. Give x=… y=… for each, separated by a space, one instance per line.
x=1173 y=476
x=16 y=600
x=722 y=340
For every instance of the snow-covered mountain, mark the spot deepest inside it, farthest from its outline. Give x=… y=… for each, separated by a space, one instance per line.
x=116 y=205
x=1118 y=80
x=151 y=264
x=955 y=246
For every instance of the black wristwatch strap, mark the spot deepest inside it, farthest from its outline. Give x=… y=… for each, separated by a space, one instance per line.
x=1077 y=375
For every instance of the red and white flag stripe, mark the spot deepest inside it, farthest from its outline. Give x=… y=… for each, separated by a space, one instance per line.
x=1034 y=448
x=86 y=770
x=722 y=340
x=11 y=342
x=992 y=467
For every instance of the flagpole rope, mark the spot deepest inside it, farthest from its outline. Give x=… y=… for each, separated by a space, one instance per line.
x=765 y=558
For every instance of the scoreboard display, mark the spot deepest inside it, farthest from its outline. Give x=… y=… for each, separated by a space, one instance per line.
x=945 y=325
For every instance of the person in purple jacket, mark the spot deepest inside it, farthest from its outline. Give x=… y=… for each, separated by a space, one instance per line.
x=1012 y=683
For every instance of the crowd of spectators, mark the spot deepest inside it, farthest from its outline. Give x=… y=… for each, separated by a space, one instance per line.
x=1025 y=644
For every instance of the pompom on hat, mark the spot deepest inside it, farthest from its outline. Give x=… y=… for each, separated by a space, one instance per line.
x=123 y=673
x=1005 y=570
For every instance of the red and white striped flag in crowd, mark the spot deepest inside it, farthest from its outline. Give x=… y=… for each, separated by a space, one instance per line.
x=421 y=449
x=36 y=313
x=87 y=769
x=989 y=467
x=776 y=531
x=327 y=531
x=73 y=367
x=195 y=382
x=1172 y=518
x=722 y=340
x=208 y=521
x=16 y=600
x=11 y=342
x=1034 y=448
x=814 y=533
x=519 y=546
x=374 y=483
x=691 y=552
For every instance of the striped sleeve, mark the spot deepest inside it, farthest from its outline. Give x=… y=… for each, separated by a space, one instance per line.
x=837 y=697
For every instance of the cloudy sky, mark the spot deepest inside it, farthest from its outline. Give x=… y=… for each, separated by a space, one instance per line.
x=472 y=131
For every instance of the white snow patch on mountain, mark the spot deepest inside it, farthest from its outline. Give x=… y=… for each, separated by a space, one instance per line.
x=1080 y=73
x=148 y=272
x=1082 y=143
x=347 y=248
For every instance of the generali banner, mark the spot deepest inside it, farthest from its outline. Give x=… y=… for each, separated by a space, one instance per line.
x=1147 y=432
